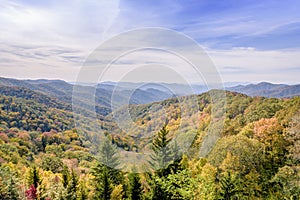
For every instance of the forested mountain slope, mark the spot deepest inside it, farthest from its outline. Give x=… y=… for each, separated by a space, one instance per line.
x=268 y=90
x=256 y=155
x=63 y=91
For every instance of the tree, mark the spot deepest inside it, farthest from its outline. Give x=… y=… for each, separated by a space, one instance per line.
x=31 y=193
x=165 y=160
x=56 y=191
x=72 y=186
x=12 y=192
x=34 y=177
x=286 y=182
x=135 y=186
x=82 y=192
x=8 y=184
x=65 y=176
x=162 y=153
x=52 y=163
x=117 y=193
x=179 y=185
x=293 y=137
x=105 y=173
x=229 y=186
x=205 y=175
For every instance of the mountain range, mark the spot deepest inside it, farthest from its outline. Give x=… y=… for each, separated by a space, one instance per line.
x=266 y=89
x=132 y=93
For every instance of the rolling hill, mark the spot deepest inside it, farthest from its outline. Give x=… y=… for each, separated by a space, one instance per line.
x=266 y=89
x=63 y=92
x=237 y=140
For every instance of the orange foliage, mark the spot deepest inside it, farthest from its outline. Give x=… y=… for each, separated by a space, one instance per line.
x=266 y=129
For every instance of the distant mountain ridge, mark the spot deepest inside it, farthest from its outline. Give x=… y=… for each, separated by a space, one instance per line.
x=266 y=89
x=58 y=93
x=63 y=91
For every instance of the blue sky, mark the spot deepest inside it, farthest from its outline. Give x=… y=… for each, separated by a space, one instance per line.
x=248 y=41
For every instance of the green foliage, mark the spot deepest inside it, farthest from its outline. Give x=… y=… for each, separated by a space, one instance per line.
x=229 y=187
x=249 y=152
x=106 y=175
x=135 y=186
x=33 y=177
x=8 y=184
x=163 y=153
x=52 y=163
x=117 y=193
x=65 y=176
x=30 y=115
x=180 y=185
x=103 y=182
x=72 y=187
x=293 y=137
x=286 y=182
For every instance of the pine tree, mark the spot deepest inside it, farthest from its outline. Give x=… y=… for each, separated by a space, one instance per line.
x=34 y=177
x=105 y=173
x=34 y=183
x=162 y=161
x=162 y=153
x=108 y=154
x=65 y=176
x=229 y=187
x=117 y=193
x=72 y=186
x=82 y=192
x=135 y=186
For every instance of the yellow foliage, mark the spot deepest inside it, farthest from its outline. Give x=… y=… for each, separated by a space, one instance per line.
x=117 y=193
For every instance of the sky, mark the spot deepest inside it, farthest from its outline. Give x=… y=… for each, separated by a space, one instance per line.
x=248 y=41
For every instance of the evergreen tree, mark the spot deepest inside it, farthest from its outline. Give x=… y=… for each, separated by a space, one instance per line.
x=82 y=192
x=157 y=192
x=165 y=159
x=117 y=193
x=34 y=177
x=162 y=152
x=105 y=173
x=229 y=188
x=65 y=176
x=72 y=186
x=135 y=186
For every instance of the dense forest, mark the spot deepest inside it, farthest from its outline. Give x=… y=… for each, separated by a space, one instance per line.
x=44 y=156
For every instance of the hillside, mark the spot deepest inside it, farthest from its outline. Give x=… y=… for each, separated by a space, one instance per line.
x=255 y=152
x=265 y=89
x=63 y=91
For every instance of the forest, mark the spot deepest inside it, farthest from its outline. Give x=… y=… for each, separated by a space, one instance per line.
x=43 y=156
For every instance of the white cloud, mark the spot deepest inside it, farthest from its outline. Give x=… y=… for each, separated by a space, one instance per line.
x=66 y=23
x=52 y=41
x=249 y=64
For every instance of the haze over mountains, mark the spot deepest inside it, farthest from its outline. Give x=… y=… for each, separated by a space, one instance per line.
x=126 y=92
x=266 y=89
x=137 y=93
x=110 y=97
